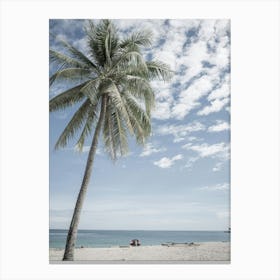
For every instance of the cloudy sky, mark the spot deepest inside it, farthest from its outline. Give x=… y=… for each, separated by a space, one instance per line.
x=180 y=180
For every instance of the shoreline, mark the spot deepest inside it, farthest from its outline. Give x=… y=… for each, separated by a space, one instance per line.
x=198 y=251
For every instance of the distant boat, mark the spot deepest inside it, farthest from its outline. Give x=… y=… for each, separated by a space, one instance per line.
x=228 y=231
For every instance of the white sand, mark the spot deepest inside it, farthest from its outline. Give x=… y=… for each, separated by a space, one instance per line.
x=205 y=251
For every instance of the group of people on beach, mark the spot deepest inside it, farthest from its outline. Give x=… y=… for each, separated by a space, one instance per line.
x=135 y=242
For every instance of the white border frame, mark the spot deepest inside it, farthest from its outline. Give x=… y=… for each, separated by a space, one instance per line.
x=254 y=135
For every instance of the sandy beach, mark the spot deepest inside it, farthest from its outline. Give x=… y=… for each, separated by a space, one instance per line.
x=204 y=251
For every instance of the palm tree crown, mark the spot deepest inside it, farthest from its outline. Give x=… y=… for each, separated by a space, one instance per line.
x=114 y=72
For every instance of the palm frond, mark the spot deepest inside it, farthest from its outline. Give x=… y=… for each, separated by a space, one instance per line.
x=131 y=61
x=114 y=133
x=71 y=74
x=137 y=129
x=63 y=60
x=78 y=55
x=109 y=132
x=140 y=88
x=138 y=39
x=74 y=125
x=102 y=41
x=67 y=98
x=90 y=89
x=116 y=98
x=91 y=117
x=139 y=118
x=159 y=70
x=123 y=142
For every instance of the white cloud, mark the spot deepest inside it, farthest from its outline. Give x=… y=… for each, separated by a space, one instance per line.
x=178 y=139
x=192 y=58
x=186 y=55
x=177 y=157
x=221 y=57
x=191 y=161
x=150 y=149
x=174 y=40
x=166 y=162
x=86 y=149
x=157 y=26
x=222 y=27
x=215 y=106
x=189 y=98
x=218 y=187
x=207 y=29
x=193 y=138
x=218 y=98
x=162 y=111
x=219 y=150
x=179 y=131
x=222 y=92
x=213 y=33
x=219 y=126
x=164 y=100
x=218 y=166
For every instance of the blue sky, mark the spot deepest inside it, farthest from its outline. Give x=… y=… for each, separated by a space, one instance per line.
x=180 y=180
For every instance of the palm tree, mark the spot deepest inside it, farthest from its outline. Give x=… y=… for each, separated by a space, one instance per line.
x=114 y=93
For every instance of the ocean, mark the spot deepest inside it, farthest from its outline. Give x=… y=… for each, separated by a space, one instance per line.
x=109 y=238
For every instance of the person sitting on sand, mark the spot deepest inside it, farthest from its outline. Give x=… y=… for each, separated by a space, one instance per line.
x=135 y=242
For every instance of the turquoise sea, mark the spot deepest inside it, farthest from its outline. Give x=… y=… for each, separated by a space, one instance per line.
x=108 y=238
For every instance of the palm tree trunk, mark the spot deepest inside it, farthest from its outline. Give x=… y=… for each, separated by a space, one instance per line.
x=73 y=229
